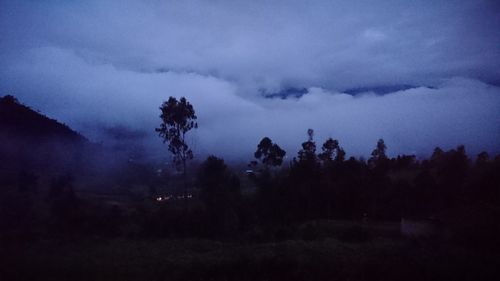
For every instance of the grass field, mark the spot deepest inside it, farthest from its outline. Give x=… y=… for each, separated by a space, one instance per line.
x=325 y=257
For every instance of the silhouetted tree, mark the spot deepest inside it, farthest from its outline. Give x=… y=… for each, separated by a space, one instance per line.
x=9 y=99
x=451 y=170
x=305 y=180
x=269 y=153
x=308 y=151
x=404 y=162
x=378 y=154
x=220 y=192
x=482 y=158
x=178 y=118
x=340 y=157
x=437 y=152
x=331 y=151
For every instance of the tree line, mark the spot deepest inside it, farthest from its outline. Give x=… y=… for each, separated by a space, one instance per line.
x=320 y=182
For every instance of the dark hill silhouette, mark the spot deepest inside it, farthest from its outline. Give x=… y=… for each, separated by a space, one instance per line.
x=379 y=90
x=20 y=120
x=31 y=141
x=295 y=92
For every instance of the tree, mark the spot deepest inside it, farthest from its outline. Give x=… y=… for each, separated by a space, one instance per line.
x=178 y=118
x=330 y=148
x=308 y=151
x=269 y=153
x=220 y=192
x=9 y=99
x=379 y=158
x=379 y=152
x=305 y=175
x=340 y=157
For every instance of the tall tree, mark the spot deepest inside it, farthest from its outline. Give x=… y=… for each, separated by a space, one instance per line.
x=269 y=153
x=178 y=118
x=378 y=154
x=331 y=152
x=220 y=192
x=308 y=151
x=329 y=148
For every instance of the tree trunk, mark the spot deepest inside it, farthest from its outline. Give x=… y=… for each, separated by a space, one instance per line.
x=185 y=184
x=185 y=174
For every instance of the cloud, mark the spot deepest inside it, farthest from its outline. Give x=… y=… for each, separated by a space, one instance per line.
x=85 y=95
x=332 y=44
x=102 y=64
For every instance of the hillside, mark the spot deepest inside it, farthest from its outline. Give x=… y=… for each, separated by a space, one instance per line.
x=31 y=141
x=20 y=120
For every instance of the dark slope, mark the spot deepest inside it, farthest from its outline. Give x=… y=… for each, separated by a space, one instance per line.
x=30 y=141
x=290 y=92
x=19 y=120
x=293 y=92
x=379 y=90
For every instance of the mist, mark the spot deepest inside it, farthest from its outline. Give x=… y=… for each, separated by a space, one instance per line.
x=388 y=111
x=99 y=65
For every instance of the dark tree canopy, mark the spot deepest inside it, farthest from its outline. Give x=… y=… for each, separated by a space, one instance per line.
x=331 y=151
x=328 y=148
x=178 y=117
x=378 y=154
x=9 y=99
x=269 y=153
x=217 y=182
x=308 y=151
x=220 y=193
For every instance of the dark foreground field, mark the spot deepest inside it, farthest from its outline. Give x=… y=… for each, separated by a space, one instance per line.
x=378 y=254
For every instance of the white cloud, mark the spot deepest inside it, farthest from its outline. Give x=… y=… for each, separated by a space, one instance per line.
x=95 y=63
x=83 y=94
x=270 y=44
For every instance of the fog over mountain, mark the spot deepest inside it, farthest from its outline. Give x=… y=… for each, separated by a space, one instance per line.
x=417 y=74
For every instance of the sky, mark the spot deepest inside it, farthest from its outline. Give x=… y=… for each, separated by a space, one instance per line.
x=100 y=65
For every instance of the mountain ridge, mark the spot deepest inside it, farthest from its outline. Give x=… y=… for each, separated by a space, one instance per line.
x=17 y=118
x=31 y=141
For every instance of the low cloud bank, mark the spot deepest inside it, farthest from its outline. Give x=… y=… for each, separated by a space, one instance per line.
x=88 y=95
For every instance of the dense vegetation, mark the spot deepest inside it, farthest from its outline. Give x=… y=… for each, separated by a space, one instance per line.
x=320 y=216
